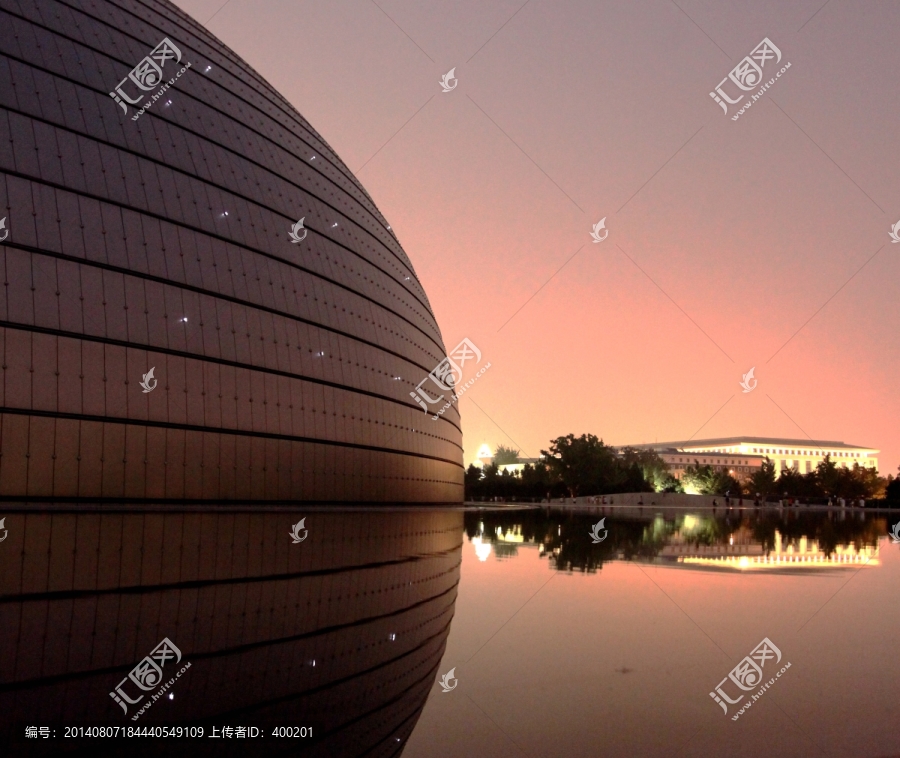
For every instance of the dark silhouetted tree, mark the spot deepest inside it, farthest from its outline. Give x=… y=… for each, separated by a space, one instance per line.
x=505 y=455
x=763 y=479
x=584 y=464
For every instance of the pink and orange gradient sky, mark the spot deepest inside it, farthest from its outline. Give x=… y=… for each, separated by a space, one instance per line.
x=767 y=230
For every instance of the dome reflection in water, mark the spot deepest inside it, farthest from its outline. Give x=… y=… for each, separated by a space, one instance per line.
x=341 y=632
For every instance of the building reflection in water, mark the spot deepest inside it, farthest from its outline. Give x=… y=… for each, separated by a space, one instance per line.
x=343 y=632
x=746 y=549
x=743 y=540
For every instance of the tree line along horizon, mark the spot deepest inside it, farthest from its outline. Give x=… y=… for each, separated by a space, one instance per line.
x=586 y=466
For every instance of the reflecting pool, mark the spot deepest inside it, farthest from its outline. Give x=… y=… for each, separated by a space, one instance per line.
x=617 y=631
x=570 y=640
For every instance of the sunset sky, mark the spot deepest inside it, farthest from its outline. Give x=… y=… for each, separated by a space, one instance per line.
x=762 y=242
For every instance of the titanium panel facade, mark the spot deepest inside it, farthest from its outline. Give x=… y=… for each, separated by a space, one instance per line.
x=284 y=369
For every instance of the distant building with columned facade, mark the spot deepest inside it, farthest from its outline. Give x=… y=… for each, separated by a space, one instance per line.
x=741 y=456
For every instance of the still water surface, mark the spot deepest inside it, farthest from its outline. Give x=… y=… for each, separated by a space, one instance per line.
x=335 y=633
x=563 y=647
x=329 y=632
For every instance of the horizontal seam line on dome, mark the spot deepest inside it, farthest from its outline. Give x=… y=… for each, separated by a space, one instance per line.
x=370 y=619
x=350 y=677
x=210 y=182
x=204 y=181
x=215 y=235
x=108 y=504
x=44 y=681
x=393 y=254
x=140 y=589
x=208 y=293
x=81 y=675
x=217 y=430
x=237 y=62
x=281 y=103
x=78 y=505
x=331 y=629
x=227 y=53
x=13 y=325
x=410 y=713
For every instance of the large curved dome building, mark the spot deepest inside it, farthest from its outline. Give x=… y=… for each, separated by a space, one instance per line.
x=169 y=330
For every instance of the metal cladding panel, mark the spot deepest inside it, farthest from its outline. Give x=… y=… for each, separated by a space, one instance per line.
x=150 y=180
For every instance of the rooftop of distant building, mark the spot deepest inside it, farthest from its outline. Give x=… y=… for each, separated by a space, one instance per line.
x=723 y=442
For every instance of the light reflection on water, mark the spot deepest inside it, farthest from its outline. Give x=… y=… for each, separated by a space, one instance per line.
x=341 y=632
x=726 y=539
x=560 y=645
x=564 y=647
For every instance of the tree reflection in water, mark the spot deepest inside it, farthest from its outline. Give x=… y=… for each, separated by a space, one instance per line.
x=563 y=536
